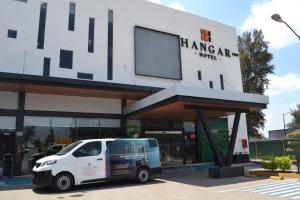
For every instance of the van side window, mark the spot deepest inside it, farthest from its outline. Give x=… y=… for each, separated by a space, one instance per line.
x=89 y=149
x=152 y=143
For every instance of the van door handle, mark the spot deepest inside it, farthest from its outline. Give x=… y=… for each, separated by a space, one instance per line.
x=100 y=159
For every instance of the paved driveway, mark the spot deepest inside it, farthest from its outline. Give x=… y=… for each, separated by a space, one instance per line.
x=181 y=184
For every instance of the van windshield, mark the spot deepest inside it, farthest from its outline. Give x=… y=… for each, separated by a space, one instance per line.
x=68 y=148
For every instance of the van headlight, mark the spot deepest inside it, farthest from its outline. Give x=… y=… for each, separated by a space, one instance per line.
x=49 y=162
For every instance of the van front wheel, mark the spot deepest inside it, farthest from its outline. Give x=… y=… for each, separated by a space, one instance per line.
x=63 y=182
x=143 y=175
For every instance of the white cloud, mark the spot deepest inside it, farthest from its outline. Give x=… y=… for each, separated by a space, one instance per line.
x=155 y=1
x=283 y=84
x=276 y=33
x=176 y=5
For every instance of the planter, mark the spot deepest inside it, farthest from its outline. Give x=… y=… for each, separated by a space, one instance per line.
x=241 y=158
x=269 y=174
x=225 y=172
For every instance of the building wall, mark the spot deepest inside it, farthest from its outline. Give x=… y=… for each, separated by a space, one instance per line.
x=22 y=56
x=43 y=102
x=9 y=100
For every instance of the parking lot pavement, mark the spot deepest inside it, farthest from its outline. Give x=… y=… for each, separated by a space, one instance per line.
x=169 y=185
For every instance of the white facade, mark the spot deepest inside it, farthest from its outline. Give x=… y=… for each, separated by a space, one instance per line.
x=20 y=55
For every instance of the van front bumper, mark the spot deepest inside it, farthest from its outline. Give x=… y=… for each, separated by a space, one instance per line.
x=43 y=178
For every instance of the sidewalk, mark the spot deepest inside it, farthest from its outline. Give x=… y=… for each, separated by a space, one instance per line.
x=16 y=182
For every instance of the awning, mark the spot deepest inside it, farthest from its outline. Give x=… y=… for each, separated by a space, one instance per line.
x=180 y=102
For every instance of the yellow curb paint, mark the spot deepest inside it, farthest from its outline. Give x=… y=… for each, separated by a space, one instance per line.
x=276 y=177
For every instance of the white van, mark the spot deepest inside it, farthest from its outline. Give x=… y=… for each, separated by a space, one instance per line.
x=92 y=161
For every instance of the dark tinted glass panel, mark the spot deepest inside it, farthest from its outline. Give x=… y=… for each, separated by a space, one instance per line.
x=157 y=54
x=222 y=82
x=42 y=26
x=12 y=34
x=85 y=76
x=72 y=17
x=211 y=84
x=66 y=59
x=91 y=35
x=46 y=71
x=199 y=75
x=110 y=45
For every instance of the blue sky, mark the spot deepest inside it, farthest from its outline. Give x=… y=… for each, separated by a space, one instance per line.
x=284 y=90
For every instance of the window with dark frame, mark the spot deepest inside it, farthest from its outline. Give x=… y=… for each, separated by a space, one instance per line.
x=91 y=35
x=211 y=84
x=42 y=26
x=12 y=34
x=222 y=81
x=66 y=59
x=71 y=26
x=200 y=75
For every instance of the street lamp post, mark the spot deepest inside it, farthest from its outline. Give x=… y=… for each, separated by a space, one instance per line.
x=277 y=18
x=284 y=127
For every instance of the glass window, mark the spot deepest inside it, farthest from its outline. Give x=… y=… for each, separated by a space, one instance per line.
x=91 y=35
x=157 y=54
x=66 y=59
x=71 y=26
x=68 y=148
x=12 y=34
x=42 y=26
x=89 y=149
x=222 y=82
x=87 y=129
x=64 y=130
x=152 y=143
x=7 y=123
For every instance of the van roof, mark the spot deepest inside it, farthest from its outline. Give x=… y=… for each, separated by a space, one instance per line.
x=113 y=139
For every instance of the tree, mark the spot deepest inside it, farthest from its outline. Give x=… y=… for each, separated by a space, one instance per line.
x=294 y=147
x=296 y=118
x=256 y=65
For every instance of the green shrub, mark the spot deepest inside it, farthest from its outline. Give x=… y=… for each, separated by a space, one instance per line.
x=270 y=163
x=283 y=163
x=1 y=164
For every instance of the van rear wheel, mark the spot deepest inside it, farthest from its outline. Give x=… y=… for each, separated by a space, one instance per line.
x=143 y=175
x=63 y=182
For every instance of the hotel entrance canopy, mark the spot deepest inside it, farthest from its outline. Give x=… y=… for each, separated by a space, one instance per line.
x=197 y=104
x=180 y=102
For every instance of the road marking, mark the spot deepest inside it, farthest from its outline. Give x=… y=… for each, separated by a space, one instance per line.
x=281 y=189
x=271 y=185
x=255 y=186
x=257 y=190
x=290 y=194
x=290 y=189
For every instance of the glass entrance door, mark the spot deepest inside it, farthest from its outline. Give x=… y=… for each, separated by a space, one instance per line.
x=7 y=143
x=171 y=146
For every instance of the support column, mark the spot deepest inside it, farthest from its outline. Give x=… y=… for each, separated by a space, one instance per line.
x=123 y=119
x=233 y=138
x=19 y=134
x=210 y=138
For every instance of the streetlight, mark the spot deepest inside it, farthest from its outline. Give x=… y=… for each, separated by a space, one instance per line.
x=277 y=18
x=283 y=116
